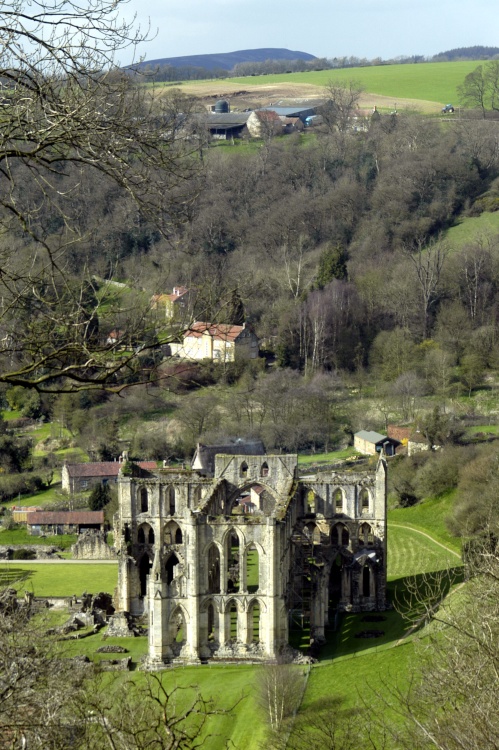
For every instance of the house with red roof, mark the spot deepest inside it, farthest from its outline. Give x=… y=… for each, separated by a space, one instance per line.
x=220 y=342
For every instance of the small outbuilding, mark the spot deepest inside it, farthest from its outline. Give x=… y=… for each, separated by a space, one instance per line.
x=65 y=522
x=370 y=443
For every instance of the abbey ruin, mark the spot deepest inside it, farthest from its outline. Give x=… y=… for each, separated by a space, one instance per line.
x=224 y=562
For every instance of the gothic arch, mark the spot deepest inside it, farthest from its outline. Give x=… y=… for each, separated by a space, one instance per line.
x=313 y=532
x=170 y=564
x=264 y=469
x=366 y=536
x=364 y=501
x=340 y=535
x=252 y=567
x=338 y=500
x=177 y=626
x=243 y=469
x=145 y=534
x=173 y=533
x=254 y=621
x=213 y=571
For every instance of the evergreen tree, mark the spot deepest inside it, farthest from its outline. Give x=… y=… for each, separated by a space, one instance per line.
x=99 y=497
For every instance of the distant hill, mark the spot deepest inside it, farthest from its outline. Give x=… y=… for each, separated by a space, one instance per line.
x=468 y=53
x=227 y=60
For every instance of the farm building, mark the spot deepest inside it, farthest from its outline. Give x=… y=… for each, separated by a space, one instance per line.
x=370 y=443
x=224 y=566
x=64 y=522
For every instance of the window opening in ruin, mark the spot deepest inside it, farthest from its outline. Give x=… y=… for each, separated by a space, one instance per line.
x=211 y=622
x=364 y=501
x=338 y=501
x=366 y=535
x=345 y=536
x=233 y=622
x=150 y=537
x=233 y=574
x=171 y=501
x=252 y=569
x=254 y=623
x=310 y=501
x=141 y=537
x=178 y=630
x=144 y=568
x=178 y=536
x=213 y=570
x=366 y=581
x=144 y=500
x=264 y=471
x=170 y=566
x=244 y=469
x=313 y=532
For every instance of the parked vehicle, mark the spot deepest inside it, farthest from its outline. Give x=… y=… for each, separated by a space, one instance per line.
x=448 y=109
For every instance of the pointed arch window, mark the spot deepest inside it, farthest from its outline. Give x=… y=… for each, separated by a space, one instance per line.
x=243 y=470
x=264 y=470
x=144 y=500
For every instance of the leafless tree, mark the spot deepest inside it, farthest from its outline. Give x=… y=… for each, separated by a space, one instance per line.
x=280 y=687
x=67 y=109
x=341 y=101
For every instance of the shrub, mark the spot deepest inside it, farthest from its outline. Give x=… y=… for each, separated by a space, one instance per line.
x=23 y=554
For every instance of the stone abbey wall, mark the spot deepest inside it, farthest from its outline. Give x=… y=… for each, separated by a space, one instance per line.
x=223 y=565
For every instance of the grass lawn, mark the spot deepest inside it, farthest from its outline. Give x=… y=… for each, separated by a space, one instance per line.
x=429 y=517
x=21 y=536
x=325 y=458
x=59 y=579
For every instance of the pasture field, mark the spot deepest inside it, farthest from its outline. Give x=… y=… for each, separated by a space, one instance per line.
x=472 y=228
x=59 y=579
x=325 y=458
x=427 y=82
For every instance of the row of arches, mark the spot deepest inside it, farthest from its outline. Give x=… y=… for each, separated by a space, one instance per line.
x=170 y=499
x=339 y=534
x=232 y=569
x=316 y=504
x=264 y=470
x=172 y=534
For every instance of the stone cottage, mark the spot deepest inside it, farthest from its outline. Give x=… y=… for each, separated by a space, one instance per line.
x=223 y=566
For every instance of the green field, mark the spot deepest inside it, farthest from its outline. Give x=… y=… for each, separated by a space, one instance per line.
x=436 y=82
x=20 y=536
x=59 y=579
x=470 y=228
x=324 y=458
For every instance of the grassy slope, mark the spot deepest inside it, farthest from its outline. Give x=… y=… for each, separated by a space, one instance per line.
x=59 y=579
x=468 y=229
x=360 y=666
x=435 y=82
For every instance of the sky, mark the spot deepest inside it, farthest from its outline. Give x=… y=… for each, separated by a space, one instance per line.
x=324 y=28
